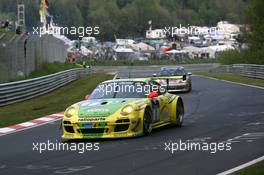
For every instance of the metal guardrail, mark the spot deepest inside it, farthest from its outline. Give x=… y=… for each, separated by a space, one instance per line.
x=27 y=89
x=247 y=70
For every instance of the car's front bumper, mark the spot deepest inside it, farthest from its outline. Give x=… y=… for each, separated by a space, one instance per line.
x=102 y=129
x=179 y=88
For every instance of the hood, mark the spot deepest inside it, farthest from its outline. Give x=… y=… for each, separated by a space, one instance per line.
x=167 y=77
x=102 y=107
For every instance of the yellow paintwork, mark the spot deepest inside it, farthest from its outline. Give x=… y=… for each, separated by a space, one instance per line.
x=167 y=116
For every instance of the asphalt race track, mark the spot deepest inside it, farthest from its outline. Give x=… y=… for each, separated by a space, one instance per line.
x=216 y=111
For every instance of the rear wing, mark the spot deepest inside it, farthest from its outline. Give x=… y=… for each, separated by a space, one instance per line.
x=166 y=79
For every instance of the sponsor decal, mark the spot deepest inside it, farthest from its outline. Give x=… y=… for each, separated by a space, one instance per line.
x=91 y=119
x=98 y=110
x=92 y=125
x=121 y=135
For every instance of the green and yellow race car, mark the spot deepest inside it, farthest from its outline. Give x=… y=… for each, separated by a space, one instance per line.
x=123 y=108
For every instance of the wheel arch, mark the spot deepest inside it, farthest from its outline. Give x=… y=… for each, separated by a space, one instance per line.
x=173 y=108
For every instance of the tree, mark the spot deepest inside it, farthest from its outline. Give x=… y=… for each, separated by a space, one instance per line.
x=129 y=18
x=105 y=14
x=256 y=37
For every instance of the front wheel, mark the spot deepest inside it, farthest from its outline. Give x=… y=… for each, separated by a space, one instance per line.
x=147 y=128
x=190 y=87
x=179 y=113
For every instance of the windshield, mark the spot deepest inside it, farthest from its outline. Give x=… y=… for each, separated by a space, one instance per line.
x=120 y=90
x=172 y=72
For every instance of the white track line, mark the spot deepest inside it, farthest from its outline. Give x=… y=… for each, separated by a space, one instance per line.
x=27 y=124
x=60 y=115
x=31 y=124
x=6 y=130
x=34 y=126
x=248 y=163
x=242 y=84
x=45 y=119
x=242 y=166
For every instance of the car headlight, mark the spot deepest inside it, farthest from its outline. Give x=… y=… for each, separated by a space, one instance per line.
x=127 y=110
x=71 y=111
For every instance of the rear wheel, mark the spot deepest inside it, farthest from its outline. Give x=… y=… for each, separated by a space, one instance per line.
x=147 y=128
x=179 y=113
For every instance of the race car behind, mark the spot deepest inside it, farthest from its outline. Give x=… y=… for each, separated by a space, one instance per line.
x=176 y=78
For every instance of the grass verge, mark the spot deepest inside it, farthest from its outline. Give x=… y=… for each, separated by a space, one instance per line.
x=256 y=169
x=47 y=69
x=56 y=101
x=8 y=35
x=51 y=68
x=234 y=78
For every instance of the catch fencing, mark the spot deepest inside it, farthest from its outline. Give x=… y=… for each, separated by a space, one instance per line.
x=247 y=70
x=27 y=89
x=22 y=54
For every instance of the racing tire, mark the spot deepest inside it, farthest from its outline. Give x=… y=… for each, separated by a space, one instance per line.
x=147 y=128
x=179 y=113
x=190 y=87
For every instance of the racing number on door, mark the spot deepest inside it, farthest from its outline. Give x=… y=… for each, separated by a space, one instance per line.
x=155 y=110
x=163 y=108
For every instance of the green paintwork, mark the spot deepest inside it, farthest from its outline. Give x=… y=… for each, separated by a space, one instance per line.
x=103 y=107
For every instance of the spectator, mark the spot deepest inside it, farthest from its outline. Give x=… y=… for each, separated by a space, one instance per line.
x=6 y=25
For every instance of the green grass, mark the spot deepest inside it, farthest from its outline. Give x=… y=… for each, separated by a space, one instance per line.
x=256 y=169
x=8 y=34
x=56 y=101
x=234 y=78
x=151 y=62
x=47 y=69
x=2 y=30
x=50 y=68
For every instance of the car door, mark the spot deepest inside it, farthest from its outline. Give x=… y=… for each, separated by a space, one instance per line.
x=160 y=112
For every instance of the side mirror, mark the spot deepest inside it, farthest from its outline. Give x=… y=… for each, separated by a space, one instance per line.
x=189 y=73
x=154 y=75
x=153 y=94
x=86 y=97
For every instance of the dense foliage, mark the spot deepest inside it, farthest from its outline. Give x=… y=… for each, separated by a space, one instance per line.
x=129 y=18
x=255 y=37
